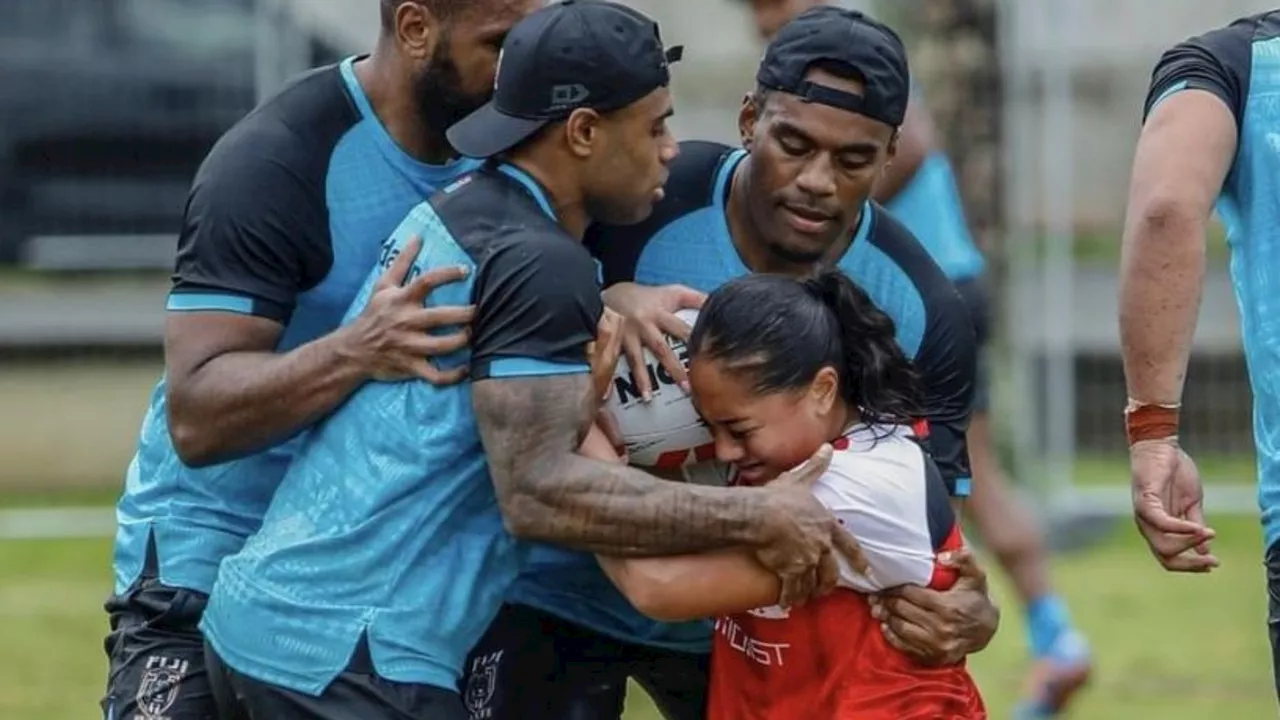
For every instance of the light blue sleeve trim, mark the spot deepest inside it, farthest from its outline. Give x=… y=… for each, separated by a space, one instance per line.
x=512 y=367
x=964 y=487
x=1169 y=91
x=199 y=302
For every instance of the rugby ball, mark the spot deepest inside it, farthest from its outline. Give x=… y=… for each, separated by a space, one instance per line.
x=665 y=433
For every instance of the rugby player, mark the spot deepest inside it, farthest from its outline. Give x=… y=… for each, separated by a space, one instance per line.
x=285 y=218
x=1209 y=135
x=816 y=139
x=919 y=189
x=777 y=367
x=385 y=551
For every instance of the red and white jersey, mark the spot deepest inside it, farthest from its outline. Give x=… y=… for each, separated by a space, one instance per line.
x=828 y=659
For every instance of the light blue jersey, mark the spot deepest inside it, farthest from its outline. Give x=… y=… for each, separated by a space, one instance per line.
x=285 y=219
x=1241 y=65
x=386 y=528
x=930 y=206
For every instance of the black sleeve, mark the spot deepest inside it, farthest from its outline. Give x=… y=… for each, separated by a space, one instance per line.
x=255 y=234
x=537 y=307
x=1218 y=62
x=947 y=362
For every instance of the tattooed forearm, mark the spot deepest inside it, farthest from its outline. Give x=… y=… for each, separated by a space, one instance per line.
x=531 y=428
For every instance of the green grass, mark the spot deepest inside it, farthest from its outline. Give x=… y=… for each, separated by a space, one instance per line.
x=1168 y=647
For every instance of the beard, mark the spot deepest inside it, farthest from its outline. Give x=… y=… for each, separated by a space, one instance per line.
x=439 y=95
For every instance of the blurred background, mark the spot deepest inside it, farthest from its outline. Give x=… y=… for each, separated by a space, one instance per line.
x=108 y=106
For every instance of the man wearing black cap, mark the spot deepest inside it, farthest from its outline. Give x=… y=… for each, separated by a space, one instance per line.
x=919 y=189
x=817 y=135
x=389 y=544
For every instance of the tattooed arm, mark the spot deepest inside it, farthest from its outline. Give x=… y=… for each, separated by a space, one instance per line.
x=532 y=428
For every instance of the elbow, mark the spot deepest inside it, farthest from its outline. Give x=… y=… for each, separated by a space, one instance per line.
x=1166 y=219
x=520 y=516
x=524 y=514
x=653 y=597
x=191 y=439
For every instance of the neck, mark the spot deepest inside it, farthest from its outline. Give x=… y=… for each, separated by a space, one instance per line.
x=752 y=244
x=391 y=94
x=846 y=417
x=563 y=191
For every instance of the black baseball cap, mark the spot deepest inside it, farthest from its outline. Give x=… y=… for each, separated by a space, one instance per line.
x=831 y=34
x=568 y=55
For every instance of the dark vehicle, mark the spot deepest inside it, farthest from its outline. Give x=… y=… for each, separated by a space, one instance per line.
x=106 y=109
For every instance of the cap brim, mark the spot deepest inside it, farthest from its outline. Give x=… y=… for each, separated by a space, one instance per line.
x=487 y=132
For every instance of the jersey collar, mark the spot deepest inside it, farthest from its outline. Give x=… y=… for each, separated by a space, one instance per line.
x=533 y=187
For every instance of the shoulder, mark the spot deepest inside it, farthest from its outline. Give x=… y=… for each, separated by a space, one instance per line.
x=1219 y=61
x=691 y=184
x=900 y=245
x=284 y=143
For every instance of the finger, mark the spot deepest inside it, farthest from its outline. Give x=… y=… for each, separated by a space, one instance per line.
x=672 y=325
x=828 y=574
x=422 y=286
x=1195 y=514
x=851 y=551
x=912 y=640
x=904 y=608
x=809 y=471
x=608 y=424
x=897 y=642
x=427 y=346
x=965 y=564
x=398 y=270
x=1191 y=562
x=434 y=375
x=687 y=297
x=1149 y=508
x=633 y=349
x=661 y=349
x=443 y=316
x=1167 y=545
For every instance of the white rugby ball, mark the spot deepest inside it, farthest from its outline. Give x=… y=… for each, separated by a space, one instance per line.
x=666 y=433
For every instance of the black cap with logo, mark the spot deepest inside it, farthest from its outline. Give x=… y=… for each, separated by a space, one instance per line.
x=568 y=55
x=847 y=37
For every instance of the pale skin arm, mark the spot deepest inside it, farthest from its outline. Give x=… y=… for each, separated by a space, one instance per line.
x=1182 y=159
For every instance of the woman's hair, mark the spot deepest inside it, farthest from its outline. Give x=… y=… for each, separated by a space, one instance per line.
x=780 y=332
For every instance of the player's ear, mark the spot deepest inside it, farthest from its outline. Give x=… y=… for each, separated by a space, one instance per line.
x=582 y=130
x=747 y=117
x=824 y=390
x=417 y=30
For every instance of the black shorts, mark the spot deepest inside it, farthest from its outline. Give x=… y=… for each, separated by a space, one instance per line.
x=976 y=298
x=1273 y=609
x=534 y=666
x=359 y=693
x=155 y=654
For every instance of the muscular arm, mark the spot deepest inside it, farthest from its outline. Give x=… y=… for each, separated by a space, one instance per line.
x=1182 y=159
x=915 y=142
x=230 y=393
x=531 y=428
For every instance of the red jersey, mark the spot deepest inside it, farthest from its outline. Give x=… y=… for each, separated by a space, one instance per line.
x=828 y=660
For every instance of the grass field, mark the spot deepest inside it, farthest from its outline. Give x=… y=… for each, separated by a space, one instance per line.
x=1167 y=647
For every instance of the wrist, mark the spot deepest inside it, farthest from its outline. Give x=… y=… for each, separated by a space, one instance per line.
x=351 y=352
x=1145 y=422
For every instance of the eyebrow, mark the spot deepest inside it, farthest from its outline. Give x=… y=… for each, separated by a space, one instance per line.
x=860 y=148
x=671 y=110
